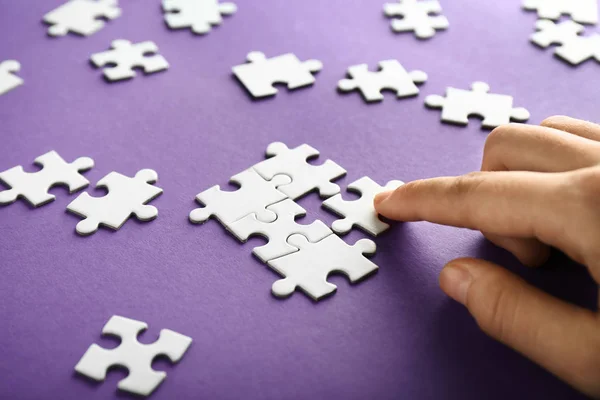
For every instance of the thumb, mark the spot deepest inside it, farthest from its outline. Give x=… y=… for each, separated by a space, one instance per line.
x=561 y=337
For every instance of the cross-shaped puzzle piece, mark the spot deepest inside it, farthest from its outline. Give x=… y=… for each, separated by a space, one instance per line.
x=391 y=76
x=582 y=11
x=126 y=56
x=260 y=73
x=573 y=48
x=253 y=197
x=309 y=268
x=196 y=14
x=34 y=187
x=305 y=177
x=416 y=16
x=81 y=16
x=8 y=79
x=459 y=104
x=359 y=212
x=278 y=231
x=133 y=355
x=125 y=196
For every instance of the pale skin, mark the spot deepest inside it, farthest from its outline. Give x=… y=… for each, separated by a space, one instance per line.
x=539 y=187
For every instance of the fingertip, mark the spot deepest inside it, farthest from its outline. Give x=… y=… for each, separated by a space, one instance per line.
x=381 y=197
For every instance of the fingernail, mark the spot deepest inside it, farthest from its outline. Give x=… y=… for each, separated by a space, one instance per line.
x=455 y=281
x=379 y=198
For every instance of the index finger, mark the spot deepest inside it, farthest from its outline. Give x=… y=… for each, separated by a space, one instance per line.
x=515 y=204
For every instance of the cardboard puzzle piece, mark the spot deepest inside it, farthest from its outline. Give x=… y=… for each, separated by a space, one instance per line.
x=416 y=17
x=361 y=212
x=305 y=177
x=391 y=76
x=34 y=186
x=459 y=104
x=260 y=73
x=198 y=15
x=278 y=231
x=8 y=79
x=572 y=48
x=126 y=196
x=126 y=56
x=309 y=267
x=582 y=11
x=83 y=17
x=133 y=355
x=253 y=197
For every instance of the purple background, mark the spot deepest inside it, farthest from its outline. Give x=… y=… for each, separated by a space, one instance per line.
x=394 y=336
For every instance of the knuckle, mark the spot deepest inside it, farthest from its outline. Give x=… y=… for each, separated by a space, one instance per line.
x=465 y=184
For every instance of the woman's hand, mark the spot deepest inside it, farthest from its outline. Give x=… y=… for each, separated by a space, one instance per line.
x=539 y=186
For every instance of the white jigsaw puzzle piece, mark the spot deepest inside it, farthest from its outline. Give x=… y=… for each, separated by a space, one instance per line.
x=309 y=268
x=8 y=79
x=416 y=17
x=459 y=104
x=81 y=16
x=582 y=11
x=253 y=197
x=260 y=73
x=278 y=231
x=133 y=355
x=198 y=15
x=127 y=56
x=126 y=196
x=391 y=76
x=34 y=187
x=305 y=177
x=573 y=48
x=360 y=212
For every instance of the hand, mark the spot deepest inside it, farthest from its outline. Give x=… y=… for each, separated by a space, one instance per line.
x=539 y=187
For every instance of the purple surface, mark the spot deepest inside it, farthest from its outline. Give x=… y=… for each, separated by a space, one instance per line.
x=393 y=336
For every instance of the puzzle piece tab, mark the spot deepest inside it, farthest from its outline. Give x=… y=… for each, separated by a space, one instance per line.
x=416 y=16
x=359 y=212
x=34 y=187
x=133 y=355
x=459 y=104
x=278 y=231
x=572 y=48
x=126 y=196
x=126 y=56
x=8 y=79
x=81 y=16
x=253 y=197
x=391 y=75
x=260 y=73
x=198 y=15
x=305 y=177
x=582 y=11
x=309 y=268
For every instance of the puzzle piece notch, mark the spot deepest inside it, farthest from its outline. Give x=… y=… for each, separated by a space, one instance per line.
x=126 y=196
x=459 y=104
x=360 y=212
x=133 y=355
x=34 y=186
x=572 y=47
x=305 y=177
x=260 y=73
x=198 y=15
x=253 y=197
x=127 y=56
x=8 y=79
x=309 y=267
x=81 y=16
x=391 y=75
x=417 y=16
x=582 y=11
x=278 y=231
